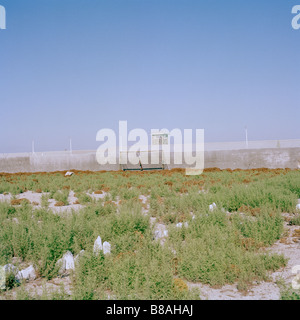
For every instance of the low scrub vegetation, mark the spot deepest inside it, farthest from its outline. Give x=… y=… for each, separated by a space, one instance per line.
x=218 y=247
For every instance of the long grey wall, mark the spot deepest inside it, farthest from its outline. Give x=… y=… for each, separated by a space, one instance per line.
x=86 y=160
x=254 y=158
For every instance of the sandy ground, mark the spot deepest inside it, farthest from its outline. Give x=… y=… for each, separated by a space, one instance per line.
x=35 y=199
x=288 y=245
x=290 y=248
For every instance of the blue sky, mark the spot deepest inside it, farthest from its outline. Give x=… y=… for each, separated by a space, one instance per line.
x=70 y=68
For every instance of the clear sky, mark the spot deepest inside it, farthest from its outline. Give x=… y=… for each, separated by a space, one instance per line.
x=70 y=68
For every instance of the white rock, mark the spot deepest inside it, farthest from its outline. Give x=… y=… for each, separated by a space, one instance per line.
x=68 y=257
x=157 y=234
x=98 y=246
x=4 y=271
x=26 y=274
x=15 y=220
x=106 y=247
x=152 y=221
x=160 y=231
x=66 y=262
x=212 y=206
x=68 y=173
x=298 y=207
x=179 y=225
x=10 y=268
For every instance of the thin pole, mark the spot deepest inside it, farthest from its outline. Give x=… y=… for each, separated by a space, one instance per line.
x=246 y=132
x=70 y=145
x=32 y=146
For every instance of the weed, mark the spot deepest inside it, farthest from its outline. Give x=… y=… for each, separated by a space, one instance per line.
x=216 y=248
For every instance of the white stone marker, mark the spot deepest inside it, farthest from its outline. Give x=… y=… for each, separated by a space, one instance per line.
x=26 y=274
x=98 y=246
x=212 y=206
x=66 y=262
x=106 y=247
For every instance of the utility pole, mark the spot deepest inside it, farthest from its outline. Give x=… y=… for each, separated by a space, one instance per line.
x=246 y=132
x=70 y=145
x=32 y=146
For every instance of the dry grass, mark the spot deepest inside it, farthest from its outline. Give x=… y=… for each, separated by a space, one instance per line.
x=284 y=240
x=180 y=285
x=248 y=209
x=59 y=204
x=296 y=235
x=16 y=202
x=109 y=202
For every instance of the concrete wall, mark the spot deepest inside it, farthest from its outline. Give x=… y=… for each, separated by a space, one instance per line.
x=254 y=158
x=81 y=160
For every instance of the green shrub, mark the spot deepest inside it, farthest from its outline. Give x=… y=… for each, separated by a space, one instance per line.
x=216 y=248
x=61 y=196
